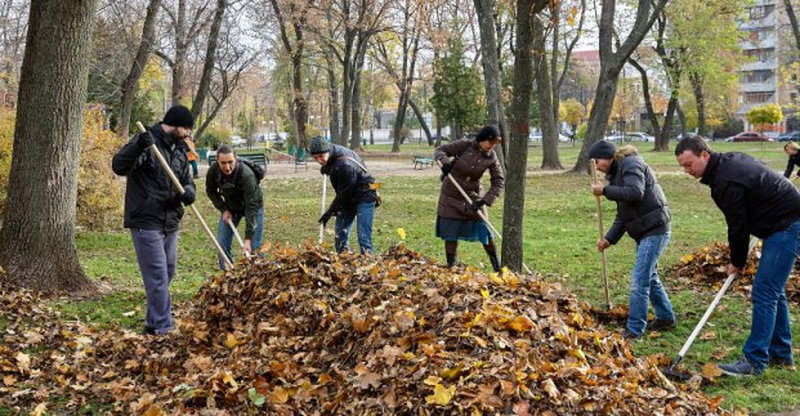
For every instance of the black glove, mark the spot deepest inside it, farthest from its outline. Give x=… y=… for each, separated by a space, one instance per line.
x=145 y=140
x=446 y=168
x=325 y=218
x=187 y=197
x=476 y=206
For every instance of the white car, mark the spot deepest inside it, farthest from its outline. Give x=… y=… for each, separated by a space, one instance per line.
x=237 y=141
x=537 y=137
x=638 y=136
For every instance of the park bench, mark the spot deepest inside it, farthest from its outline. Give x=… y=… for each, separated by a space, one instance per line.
x=258 y=158
x=422 y=161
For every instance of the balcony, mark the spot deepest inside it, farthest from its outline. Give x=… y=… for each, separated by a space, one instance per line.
x=769 y=20
x=760 y=65
x=766 y=86
x=768 y=42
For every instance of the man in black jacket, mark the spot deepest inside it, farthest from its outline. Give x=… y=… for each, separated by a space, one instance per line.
x=153 y=207
x=233 y=189
x=354 y=195
x=755 y=200
x=642 y=212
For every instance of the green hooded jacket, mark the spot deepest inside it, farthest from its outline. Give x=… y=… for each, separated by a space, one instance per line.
x=240 y=194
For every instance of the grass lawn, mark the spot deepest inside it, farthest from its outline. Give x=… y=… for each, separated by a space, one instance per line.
x=560 y=235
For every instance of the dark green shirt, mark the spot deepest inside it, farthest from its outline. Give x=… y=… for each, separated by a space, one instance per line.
x=240 y=194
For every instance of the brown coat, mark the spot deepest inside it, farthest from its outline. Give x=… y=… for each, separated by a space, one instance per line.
x=469 y=163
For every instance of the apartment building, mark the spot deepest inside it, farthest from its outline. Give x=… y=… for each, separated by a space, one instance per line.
x=767 y=46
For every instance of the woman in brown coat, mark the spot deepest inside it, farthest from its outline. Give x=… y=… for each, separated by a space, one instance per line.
x=456 y=218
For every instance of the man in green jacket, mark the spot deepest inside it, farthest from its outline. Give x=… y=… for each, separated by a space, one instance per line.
x=233 y=189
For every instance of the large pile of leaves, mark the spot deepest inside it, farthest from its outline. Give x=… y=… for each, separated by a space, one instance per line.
x=305 y=331
x=708 y=265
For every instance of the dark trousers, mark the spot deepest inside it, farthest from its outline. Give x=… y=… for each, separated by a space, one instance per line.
x=157 y=254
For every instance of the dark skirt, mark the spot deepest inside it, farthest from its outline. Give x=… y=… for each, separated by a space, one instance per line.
x=449 y=229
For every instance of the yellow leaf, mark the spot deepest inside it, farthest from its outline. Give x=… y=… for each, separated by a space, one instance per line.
x=687 y=258
x=441 y=395
x=485 y=293
x=432 y=380
x=578 y=353
x=452 y=373
x=279 y=395
x=402 y=233
x=40 y=410
x=231 y=341
x=521 y=324
x=495 y=279
x=228 y=379
x=711 y=371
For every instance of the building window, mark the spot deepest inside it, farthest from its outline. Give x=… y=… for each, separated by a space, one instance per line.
x=760 y=34
x=756 y=76
x=760 y=55
x=760 y=12
x=757 y=97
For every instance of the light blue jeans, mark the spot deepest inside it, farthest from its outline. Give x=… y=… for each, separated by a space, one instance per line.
x=770 y=334
x=344 y=222
x=157 y=254
x=225 y=235
x=645 y=284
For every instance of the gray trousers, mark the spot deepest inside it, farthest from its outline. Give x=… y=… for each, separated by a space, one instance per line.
x=157 y=253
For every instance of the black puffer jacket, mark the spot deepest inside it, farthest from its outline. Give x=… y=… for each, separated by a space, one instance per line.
x=641 y=205
x=351 y=183
x=151 y=200
x=794 y=160
x=754 y=198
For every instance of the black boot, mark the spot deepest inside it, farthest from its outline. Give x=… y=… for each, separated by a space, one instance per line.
x=495 y=263
x=451 y=260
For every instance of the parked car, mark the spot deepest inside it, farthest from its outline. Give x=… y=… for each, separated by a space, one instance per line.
x=537 y=137
x=237 y=141
x=750 y=136
x=792 y=136
x=637 y=136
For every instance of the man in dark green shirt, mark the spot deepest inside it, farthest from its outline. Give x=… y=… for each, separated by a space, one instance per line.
x=233 y=189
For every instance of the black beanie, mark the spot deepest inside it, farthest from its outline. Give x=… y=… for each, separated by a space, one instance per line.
x=179 y=116
x=489 y=132
x=602 y=149
x=318 y=145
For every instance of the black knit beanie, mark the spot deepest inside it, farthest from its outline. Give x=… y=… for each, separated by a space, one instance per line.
x=602 y=149
x=489 y=132
x=318 y=145
x=179 y=116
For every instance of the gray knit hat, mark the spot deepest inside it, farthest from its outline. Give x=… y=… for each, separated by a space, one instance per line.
x=318 y=145
x=602 y=149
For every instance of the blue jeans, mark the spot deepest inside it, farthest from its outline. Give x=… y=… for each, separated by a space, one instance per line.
x=225 y=235
x=770 y=334
x=645 y=284
x=344 y=221
x=157 y=254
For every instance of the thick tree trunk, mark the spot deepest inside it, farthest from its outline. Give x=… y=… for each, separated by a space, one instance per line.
x=347 y=95
x=793 y=22
x=700 y=99
x=662 y=143
x=681 y=117
x=37 y=246
x=421 y=120
x=491 y=70
x=333 y=100
x=598 y=117
x=300 y=104
x=180 y=55
x=544 y=90
x=513 y=208
x=355 y=139
x=648 y=100
x=399 y=120
x=131 y=83
x=211 y=56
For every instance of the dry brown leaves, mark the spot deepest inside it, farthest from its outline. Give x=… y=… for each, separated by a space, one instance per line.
x=310 y=332
x=708 y=266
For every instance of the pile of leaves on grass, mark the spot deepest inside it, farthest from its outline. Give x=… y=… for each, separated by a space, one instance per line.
x=708 y=266
x=305 y=331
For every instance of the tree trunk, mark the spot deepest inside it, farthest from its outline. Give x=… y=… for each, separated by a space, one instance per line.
x=544 y=90
x=421 y=120
x=131 y=83
x=333 y=104
x=697 y=89
x=347 y=94
x=211 y=56
x=300 y=104
x=793 y=22
x=598 y=117
x=513 y=208
x=662 y=143
x=180 y=54
x=681 y=117
x=648 y=101
x=491 y=70
x=355 y=140
x=37 y=246
x=399 y=120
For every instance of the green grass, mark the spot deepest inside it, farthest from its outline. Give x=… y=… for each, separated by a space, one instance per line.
x=559 y=239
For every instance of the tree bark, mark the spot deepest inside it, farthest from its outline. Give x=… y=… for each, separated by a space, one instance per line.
x=491 y=70
x=513 y=208
x=211 y=56
x=355 y=139
x=421 y=119
x=661 y=135
x=793 y=22
x=544 y=90
x=181 y=47
x=399 y=120
x=333 y=100
x=37 y=246
x=611 y=64
x=131 y=84
x=697 y=89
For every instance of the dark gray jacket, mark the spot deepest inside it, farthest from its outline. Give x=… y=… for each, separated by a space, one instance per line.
x=469 y=164
x=641 y=205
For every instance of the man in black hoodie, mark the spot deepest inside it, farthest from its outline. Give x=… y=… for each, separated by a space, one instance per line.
x=755 y=200
x=153 y=207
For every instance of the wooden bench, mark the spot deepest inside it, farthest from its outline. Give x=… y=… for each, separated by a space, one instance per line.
x=422 y=161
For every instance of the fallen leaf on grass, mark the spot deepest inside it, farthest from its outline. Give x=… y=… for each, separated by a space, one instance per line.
x=710 y=371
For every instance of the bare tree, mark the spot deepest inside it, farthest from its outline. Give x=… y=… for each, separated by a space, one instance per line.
x=37 y=246
x=490 y=61
x=211 y=55
x=131 y=83
x=611 y=63
x=13 y=24
x=185 y=25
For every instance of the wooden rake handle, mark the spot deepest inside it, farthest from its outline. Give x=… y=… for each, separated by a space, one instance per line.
x=593 y=167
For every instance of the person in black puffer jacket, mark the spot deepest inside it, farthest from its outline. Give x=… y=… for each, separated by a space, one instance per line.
x=758 y=201
x=792 y=150
x=154 y=208
x=643 y=213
